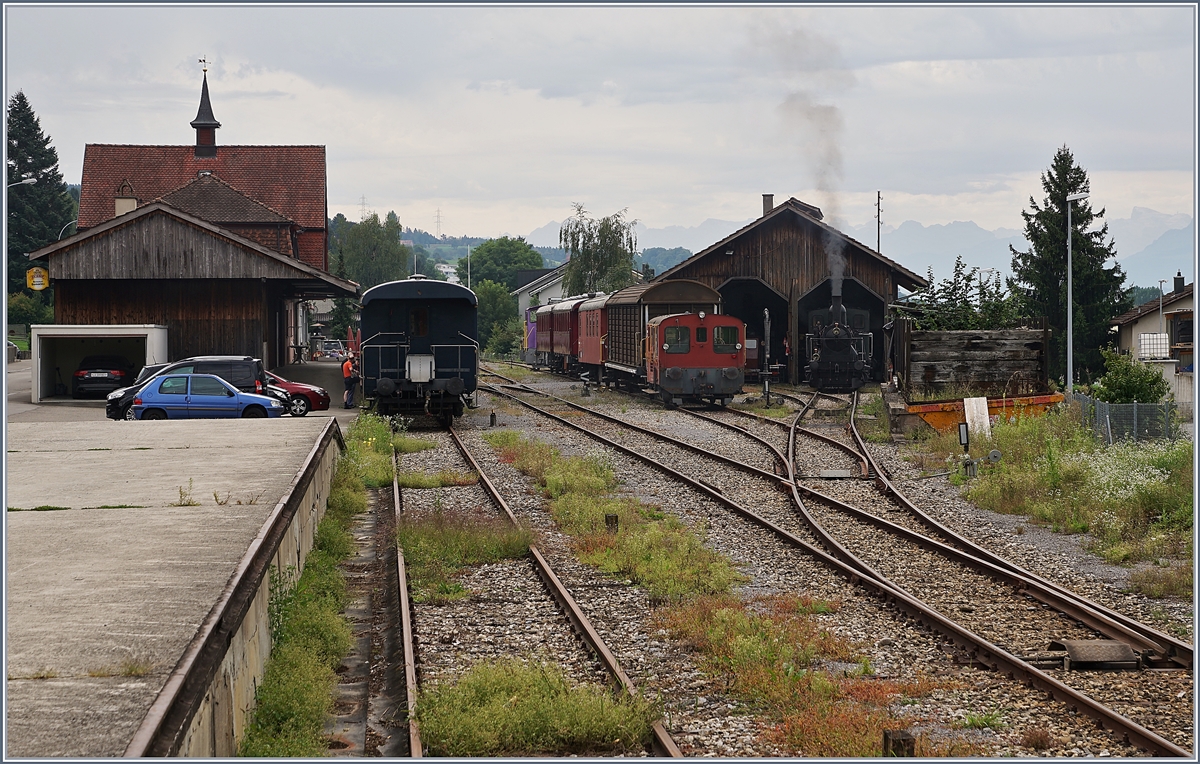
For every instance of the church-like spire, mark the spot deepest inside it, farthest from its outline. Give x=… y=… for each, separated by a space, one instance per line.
x=205 y=123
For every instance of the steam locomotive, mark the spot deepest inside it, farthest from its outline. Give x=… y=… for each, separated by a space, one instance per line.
x=838 y=347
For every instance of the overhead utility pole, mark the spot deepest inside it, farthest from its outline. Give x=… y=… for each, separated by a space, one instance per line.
x=878 y=218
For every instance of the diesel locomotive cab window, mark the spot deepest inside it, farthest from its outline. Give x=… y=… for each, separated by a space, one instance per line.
x=418 y=322
x=677 y=339
x=725 y=339
x=701 y=334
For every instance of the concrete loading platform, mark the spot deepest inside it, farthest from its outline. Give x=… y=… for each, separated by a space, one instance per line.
x=137 y=597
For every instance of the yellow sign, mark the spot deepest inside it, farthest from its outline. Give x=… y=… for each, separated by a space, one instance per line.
x=37 y=279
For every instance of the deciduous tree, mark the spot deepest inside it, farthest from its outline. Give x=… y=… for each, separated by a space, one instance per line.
x=498 y=260
x=37 y=212
x=1126 y=380
x=374 y=254
x=1040 y=274
x=601 y=252
x=496 y=308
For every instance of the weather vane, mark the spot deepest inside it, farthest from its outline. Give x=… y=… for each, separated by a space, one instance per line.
x=205 y=62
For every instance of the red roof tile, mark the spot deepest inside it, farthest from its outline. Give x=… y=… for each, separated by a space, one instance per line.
x=288 y=179
x=210 y=198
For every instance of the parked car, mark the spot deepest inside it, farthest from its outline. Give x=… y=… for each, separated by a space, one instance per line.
x=334 y=349
x=243 y=372
x=100 y=374
x=302 y=398
x=200 y=396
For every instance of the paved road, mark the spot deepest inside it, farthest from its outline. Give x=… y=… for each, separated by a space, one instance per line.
x=18 y=378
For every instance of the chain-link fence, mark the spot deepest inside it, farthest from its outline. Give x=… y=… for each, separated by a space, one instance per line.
x=1133 y=421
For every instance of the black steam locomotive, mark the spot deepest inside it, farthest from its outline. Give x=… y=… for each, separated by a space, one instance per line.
x=838 y=348
x=420 y=349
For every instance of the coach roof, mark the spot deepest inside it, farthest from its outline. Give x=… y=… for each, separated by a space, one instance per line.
x=419 y=289
x=675 y=291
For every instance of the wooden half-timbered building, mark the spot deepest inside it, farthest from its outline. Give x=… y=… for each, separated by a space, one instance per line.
x=786 y=263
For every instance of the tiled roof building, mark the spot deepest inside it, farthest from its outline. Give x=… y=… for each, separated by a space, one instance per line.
x=288 y=180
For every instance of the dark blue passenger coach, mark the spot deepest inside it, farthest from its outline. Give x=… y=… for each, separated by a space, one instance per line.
x=420 y=348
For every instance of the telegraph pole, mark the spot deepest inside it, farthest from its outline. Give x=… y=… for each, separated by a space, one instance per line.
x=878 y=217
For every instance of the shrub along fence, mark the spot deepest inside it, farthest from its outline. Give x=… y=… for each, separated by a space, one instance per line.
x=1134 y=421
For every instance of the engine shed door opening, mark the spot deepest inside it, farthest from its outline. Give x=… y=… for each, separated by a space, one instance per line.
x=856 y=297
x=745 y=298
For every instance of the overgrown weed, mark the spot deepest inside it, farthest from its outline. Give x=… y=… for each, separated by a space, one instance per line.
x=437 y=548
x=512 y=708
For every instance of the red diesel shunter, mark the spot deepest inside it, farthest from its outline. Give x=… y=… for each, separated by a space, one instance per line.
x=695 y=356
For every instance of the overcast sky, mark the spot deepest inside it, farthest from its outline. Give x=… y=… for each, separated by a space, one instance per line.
x=504 y=116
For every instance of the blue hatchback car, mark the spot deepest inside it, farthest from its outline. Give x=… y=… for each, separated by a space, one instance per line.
x=200 y=396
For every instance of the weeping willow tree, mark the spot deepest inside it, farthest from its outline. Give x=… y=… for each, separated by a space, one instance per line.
x=601 y=252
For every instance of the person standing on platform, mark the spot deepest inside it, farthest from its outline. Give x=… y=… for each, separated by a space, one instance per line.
x=350 y=377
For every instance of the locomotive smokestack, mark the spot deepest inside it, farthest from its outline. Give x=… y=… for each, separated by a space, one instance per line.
x=768 y=204
x=837 y=311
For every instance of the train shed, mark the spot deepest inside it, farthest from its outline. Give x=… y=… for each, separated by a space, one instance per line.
x=786 y=262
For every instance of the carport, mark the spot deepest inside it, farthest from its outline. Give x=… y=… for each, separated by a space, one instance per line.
x=56 y=351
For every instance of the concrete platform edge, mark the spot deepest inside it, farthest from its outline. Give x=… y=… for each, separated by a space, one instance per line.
x=204 y=707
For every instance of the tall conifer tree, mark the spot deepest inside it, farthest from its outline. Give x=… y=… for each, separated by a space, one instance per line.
x=36 y=213
x=1040 y=274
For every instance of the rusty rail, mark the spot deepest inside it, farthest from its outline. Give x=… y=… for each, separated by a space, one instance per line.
x=858 y=572
x=415 y=748
x=662 y=742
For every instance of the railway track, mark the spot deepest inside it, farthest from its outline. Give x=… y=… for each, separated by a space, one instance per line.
x=1082 y=617
x=515 y=613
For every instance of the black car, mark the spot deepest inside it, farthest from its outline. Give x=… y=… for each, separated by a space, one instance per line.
x=100 y=374
x=241 y=371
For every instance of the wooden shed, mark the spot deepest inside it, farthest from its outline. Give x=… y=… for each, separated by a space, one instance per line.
x=217 y=292
x=786 y=262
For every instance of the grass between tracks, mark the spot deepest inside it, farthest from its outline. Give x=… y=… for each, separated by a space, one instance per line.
x=511 y=708
x=308 y=631
x=772 y=654
x=1134 y=500
x=438 y=548
x=652 y=549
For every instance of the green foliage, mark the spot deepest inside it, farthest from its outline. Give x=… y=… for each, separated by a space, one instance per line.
x=506 y=338
x=1126 y=380
x=496 y=306
x=964 y=301
x=342 y=316
x=1134 y=500
x=498 y=260
x=309 y=635
x=409 y=445
x=660 y=259
x=653 y=550
x=437 y=548
x=38 y=212
x=993 y=719
x=26 y=309
x=1040 y=274
x=373 y=252
x=510 y=708
x=601 y=252
x=439 y=479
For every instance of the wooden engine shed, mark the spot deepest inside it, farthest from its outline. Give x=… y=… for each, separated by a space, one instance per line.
x=217 y=293
x=782 y=263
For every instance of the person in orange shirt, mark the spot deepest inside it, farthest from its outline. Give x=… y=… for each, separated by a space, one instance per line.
x=350 y=377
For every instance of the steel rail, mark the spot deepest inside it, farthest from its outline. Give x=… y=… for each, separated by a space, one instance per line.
x=662 y=743
x=1075 y=605
x=415 y=748
x=857 y=572
x=864 y=468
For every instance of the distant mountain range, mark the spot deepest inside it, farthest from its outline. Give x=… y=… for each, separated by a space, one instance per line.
x=1151 y=245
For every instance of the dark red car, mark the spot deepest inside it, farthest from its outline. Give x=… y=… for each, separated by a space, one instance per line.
x=302 y=398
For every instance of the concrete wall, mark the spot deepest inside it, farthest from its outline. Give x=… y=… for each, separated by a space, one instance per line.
x=222 y=717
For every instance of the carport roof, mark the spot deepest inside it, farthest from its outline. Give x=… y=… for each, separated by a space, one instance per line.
x=308 y=281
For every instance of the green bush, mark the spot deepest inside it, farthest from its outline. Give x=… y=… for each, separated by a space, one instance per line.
x=292 y=702
x=508 y=708
x=1126 y=380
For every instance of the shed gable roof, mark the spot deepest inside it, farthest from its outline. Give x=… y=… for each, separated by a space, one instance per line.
x=288 y=179
x=257 y=261
x=812 y=215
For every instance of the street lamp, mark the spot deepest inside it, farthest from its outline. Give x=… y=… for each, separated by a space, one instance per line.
x=25 y=182
x=60 y=232
x=1070 y=304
